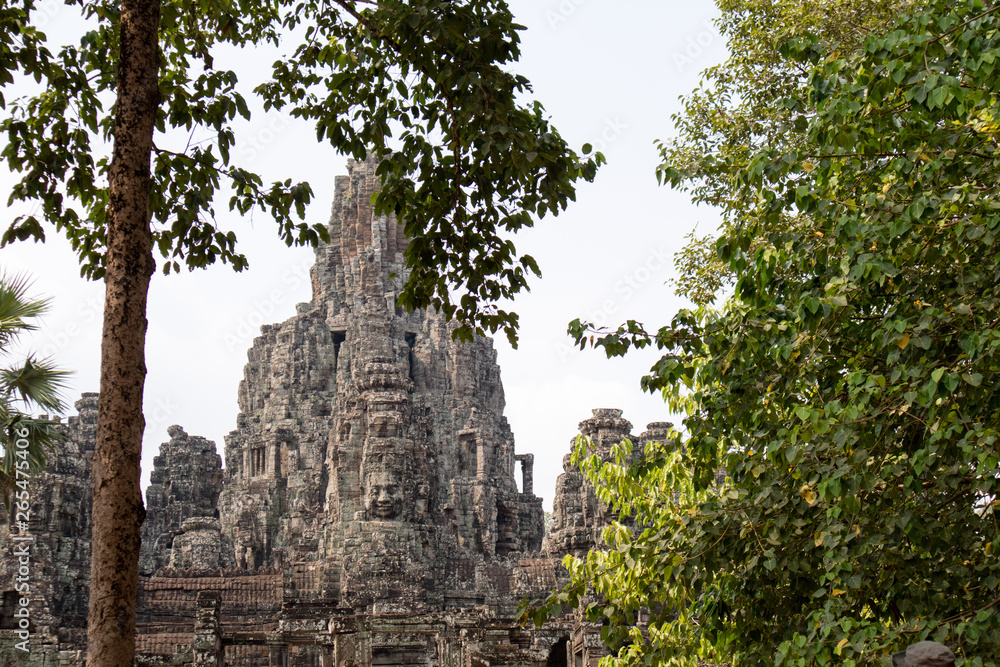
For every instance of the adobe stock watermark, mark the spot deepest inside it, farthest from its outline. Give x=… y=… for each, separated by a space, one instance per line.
x=562 y=12
x=613 y=130
x=630 y=284
x=250 y=147
x=695 y=46
x=44 y=12
x=21 y=543
x=88 y=312
x=264 y=308
x=160 y=415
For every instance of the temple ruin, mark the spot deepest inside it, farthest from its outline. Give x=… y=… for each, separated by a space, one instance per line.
x=368 y=513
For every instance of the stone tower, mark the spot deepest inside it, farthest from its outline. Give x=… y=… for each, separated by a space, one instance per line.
x=578 y=517
x=184 y=486
x=371 y=452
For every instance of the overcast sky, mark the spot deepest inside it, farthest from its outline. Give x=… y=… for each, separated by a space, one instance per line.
x=609 y=73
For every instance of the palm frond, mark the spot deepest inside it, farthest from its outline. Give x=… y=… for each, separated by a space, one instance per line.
x=25 y=442
x=24 y=387
x=34 y=383
x=16 y=309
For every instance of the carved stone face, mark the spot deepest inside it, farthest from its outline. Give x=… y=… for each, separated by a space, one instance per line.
x=384 y=495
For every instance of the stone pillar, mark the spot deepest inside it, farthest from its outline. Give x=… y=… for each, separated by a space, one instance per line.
x=482 y=464
x=527 y=473
x=207 y=646
x=278 y=656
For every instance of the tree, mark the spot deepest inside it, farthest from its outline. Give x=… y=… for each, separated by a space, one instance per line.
x=428 y=78
x=733 y=113
x=847 y=386
x=25 y=385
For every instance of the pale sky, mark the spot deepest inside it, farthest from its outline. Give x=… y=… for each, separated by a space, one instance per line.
x=609 y=73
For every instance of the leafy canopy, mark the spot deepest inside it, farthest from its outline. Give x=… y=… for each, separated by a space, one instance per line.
x=848 y=385
x=733 y=114
x=425 y=85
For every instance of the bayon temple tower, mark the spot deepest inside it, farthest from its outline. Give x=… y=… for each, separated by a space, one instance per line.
x=367 y=514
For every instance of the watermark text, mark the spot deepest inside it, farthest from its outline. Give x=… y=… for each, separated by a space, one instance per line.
x=21 y=541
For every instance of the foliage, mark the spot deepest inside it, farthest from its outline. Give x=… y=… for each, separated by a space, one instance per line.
x=848 y=386
x=31 y=383
x=425 y=84
x=733 y=113
x=635 y=574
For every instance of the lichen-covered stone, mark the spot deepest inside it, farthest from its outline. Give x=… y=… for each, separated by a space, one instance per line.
x=201 y=546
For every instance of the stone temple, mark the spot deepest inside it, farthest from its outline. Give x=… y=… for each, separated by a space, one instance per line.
x=368 y=513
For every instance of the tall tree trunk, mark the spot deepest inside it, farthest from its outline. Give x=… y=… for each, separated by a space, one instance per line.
x=118 y=509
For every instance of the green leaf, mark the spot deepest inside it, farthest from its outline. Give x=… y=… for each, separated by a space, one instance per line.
x=975 y=379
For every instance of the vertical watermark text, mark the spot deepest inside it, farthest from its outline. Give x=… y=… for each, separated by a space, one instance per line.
x=21 y=539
